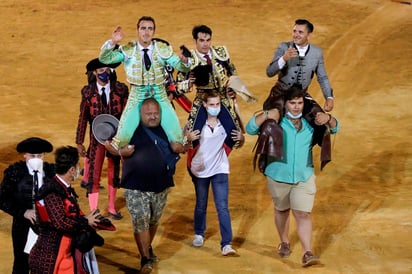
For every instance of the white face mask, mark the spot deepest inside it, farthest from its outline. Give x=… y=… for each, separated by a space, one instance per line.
x=35 y=163
x=75 y=177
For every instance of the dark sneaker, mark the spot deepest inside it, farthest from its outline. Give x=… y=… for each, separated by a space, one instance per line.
x=116 y=216
x=84 y=184
x=153 y=256
x=284 y=250
x=309 y=259
x=146 y=266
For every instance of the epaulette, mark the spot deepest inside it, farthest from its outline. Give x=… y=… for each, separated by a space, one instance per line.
x=163 y=48
x=129 y=49
x=221 y=52
x=195 y=57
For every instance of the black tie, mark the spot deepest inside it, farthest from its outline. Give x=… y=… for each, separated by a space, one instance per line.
x=35 y=184
x=35 y=181
x=72 y=192
x=208 y=61
x=147 y=62
x=104 y=98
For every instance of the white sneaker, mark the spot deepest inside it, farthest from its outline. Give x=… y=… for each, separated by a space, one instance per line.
x=228 y=250
x=198 y=240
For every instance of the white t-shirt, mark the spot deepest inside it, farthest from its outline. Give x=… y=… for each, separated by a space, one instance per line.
x=210 y=159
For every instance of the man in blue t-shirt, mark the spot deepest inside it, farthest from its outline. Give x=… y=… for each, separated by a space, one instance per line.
x=147 y=175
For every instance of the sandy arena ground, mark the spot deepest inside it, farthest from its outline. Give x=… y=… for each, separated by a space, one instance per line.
x=362 y=217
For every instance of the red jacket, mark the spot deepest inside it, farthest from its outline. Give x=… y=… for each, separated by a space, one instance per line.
x=91 y=106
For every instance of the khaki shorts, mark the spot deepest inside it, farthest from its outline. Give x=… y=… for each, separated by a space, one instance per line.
x=145 y=208
x=300 y=196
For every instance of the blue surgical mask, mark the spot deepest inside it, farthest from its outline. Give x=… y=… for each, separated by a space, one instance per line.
x=104 y=77
x=213 y=111
x=294 y=116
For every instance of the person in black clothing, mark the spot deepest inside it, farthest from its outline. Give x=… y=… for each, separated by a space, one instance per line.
x=16 y=194
x=147 y=174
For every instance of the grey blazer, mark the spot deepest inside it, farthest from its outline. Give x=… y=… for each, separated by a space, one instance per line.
x=300 y=70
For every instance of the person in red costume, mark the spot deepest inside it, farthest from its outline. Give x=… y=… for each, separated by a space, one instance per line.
x=61 y=220
x=103 y=95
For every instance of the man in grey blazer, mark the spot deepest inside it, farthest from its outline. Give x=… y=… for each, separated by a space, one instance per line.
x=295 y=63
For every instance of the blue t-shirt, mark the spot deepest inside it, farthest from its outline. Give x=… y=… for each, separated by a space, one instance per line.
x=146 y=169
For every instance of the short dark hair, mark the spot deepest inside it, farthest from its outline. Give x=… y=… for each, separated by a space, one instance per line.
x=294 y=92
x=146 y=18
x=308 y=24
x=65 y=158
x=202 y=29
x=210 y=94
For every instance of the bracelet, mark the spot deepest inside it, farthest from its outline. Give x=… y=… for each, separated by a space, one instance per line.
x=120 y=152
x=330 y=118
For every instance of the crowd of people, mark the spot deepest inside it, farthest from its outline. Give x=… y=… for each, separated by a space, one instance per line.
x=51 y=234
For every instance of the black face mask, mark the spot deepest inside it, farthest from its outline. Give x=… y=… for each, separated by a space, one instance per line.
x=104 y=77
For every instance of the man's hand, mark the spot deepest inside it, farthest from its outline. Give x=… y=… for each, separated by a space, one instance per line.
x=117 y=35
x=274 y=114
x=290 y=53
x=30 y=214
x=178 y=147
x=230 y=94
x=81 y=149
x=93 y=218
x=328 y=105
x=192 y=135
x=126 y=151
x=322 y=118
x=183 y=58
x=110 y=148
x=238 y=136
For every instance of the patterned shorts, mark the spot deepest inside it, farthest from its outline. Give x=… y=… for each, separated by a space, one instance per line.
x=145 y=208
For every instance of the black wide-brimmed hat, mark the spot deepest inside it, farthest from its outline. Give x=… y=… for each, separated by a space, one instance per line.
x=34 y=145
x=96 y=64
x=104 y=127
x=201 y=73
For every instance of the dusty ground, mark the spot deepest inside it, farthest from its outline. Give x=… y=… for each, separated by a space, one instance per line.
x=362 y=219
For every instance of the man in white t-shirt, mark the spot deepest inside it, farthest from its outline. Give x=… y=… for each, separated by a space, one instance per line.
x=209 y=165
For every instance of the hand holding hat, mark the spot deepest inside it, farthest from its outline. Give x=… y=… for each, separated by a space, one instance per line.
x=104 y=127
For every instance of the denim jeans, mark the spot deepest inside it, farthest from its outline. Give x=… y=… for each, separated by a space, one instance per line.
x=220 y=188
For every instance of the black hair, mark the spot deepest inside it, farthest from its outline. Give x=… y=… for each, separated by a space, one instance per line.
x=146 y=18
x=202 y=29
x=308 y=24
x=65 y=158
x=293 y=92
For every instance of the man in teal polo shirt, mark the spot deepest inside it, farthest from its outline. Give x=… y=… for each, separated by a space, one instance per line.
x=291 y=180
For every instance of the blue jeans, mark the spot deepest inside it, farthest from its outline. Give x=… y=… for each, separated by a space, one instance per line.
x=220 y=188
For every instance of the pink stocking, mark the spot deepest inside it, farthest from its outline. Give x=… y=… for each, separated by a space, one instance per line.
x=93 y=200
x=112 y=199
